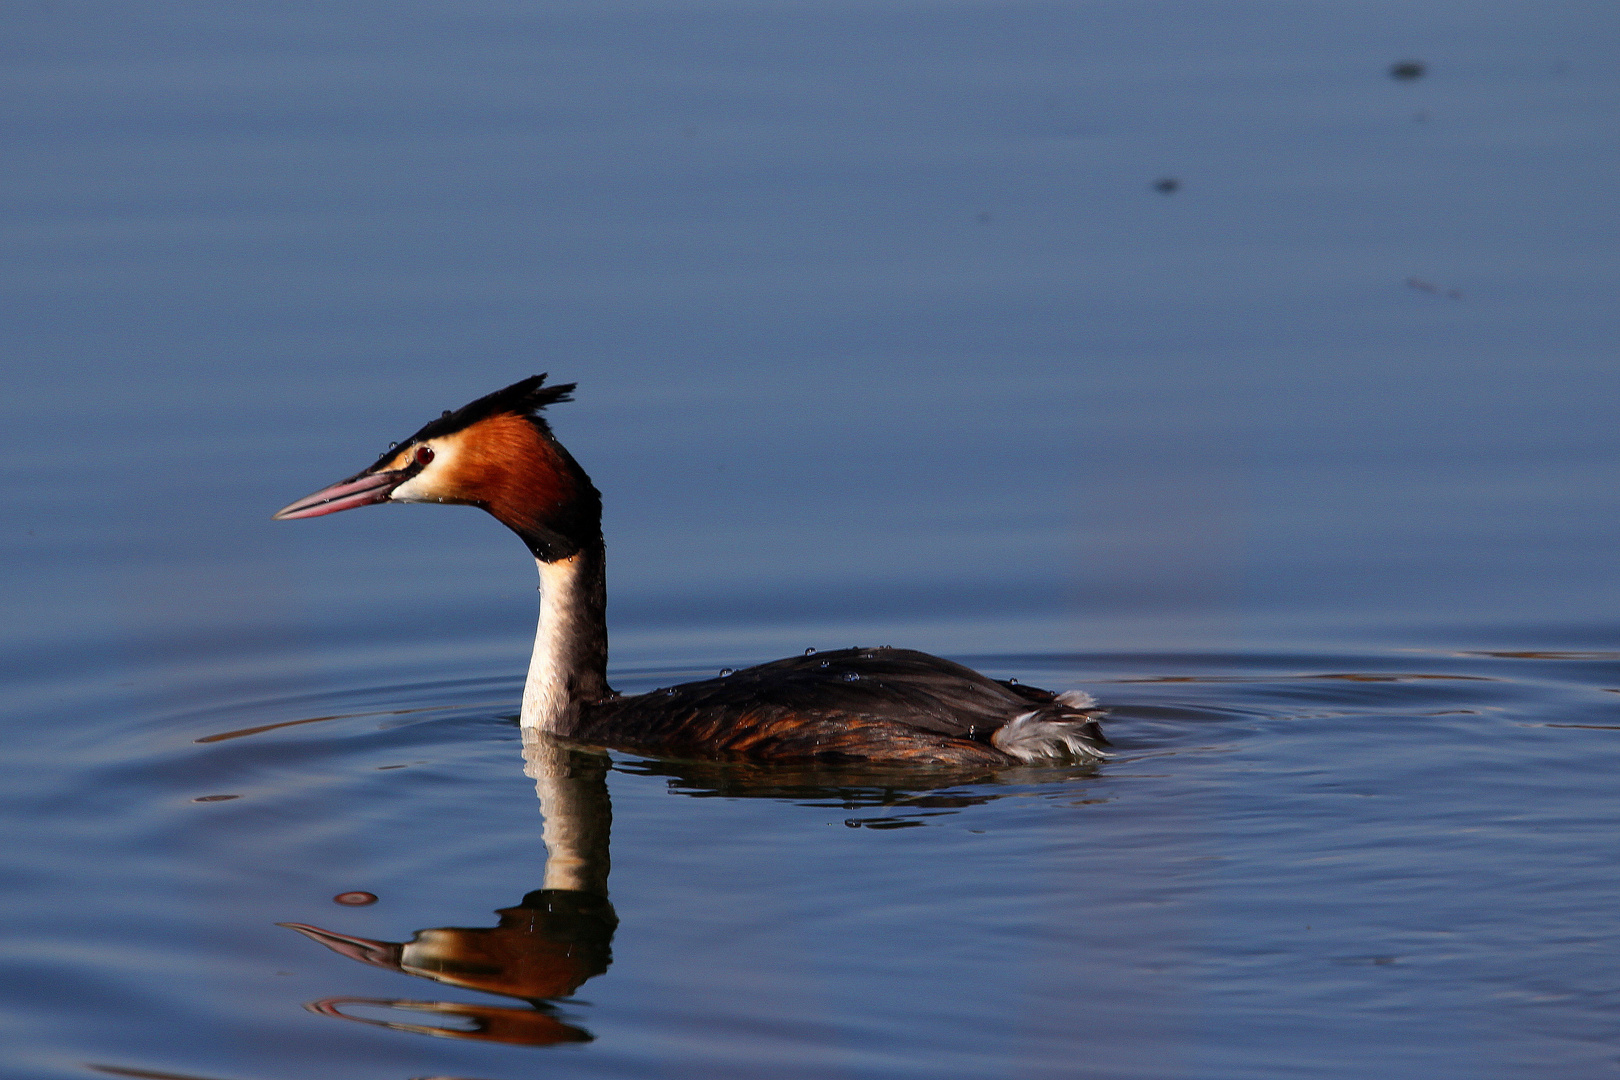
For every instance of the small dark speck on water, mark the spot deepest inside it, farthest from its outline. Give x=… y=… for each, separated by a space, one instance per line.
x=1430 y=287
x=355 y=899
x=1406 y=70
x=215 y=798
x=380 y=768
x=984 y=217
x=1167 y=185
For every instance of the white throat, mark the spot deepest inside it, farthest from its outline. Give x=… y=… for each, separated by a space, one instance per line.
x=547 y=695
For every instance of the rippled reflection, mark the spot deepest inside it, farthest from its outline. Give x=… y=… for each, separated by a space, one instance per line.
x=488 y=1023
x=905 y=797
x=543 y=948
x=560 y=935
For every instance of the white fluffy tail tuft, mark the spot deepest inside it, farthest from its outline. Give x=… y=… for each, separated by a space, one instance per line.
x=1076 y=699
x=1033 y=738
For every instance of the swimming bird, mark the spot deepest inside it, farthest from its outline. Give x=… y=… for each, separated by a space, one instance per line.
x=872 y=705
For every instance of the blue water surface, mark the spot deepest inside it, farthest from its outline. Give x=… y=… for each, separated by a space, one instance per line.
x=890 y=327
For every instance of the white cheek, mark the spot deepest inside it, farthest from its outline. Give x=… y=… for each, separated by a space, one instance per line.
x=413 y=490
x=425 y=486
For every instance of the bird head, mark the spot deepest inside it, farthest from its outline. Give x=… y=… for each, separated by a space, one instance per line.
x=496 y=453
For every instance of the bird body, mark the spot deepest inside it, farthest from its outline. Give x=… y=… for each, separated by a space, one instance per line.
x=848 y=706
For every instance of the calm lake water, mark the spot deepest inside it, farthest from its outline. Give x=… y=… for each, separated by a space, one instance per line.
x=1176 y=352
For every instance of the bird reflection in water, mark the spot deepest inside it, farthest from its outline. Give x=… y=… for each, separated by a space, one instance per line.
x=559 y=936
x=542 y=949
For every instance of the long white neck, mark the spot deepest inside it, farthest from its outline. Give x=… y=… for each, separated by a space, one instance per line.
x=569 y=665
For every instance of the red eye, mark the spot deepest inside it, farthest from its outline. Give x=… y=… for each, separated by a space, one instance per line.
x=424 y=454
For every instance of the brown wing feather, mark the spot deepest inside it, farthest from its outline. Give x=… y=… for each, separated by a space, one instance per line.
x=844 y=706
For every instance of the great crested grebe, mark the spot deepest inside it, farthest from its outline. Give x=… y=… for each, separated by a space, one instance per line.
x=846 y=706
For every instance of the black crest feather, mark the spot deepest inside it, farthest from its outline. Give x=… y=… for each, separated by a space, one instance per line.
x=523 y=398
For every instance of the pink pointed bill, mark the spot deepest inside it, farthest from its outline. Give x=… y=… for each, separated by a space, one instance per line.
x=362 y=490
